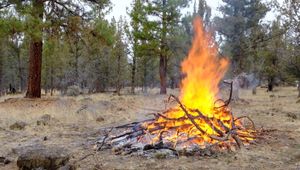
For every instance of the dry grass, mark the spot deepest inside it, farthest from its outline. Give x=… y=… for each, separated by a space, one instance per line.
x=74 y=126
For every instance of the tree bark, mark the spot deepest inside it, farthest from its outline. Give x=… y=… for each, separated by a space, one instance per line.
x=254 y=90
x=76 y=62
x=35 y=56
x=51 y=79
x=0 y=75
x=133 y=69
x=172 y=83
x=35 y=67
x=20 y=71
x=163 y=55
x=101 y=81
x=163 y=74
x=118 y=88
x=299 y=90
x=270 y=84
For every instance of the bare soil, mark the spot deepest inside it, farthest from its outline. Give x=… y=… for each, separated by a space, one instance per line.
x=76 y=122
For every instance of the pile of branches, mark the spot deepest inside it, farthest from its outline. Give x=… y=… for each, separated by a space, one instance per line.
x=226 y=132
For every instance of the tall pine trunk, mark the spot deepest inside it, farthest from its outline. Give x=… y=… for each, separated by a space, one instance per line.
x=76 y=53
x=133 y=70
x=20 y=72
x=0 y=75
x=270 y=84
x=163 y=55
x=163 y=74
x=51 y=80
x=35 y=55
x=35 y=67
x=299 y=90
x=118 y=89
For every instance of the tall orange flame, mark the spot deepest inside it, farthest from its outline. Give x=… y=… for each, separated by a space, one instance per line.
x=204 y=70
x=196 y=120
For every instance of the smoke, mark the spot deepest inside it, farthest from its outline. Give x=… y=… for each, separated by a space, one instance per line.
x=242 y=81
x=248 y=81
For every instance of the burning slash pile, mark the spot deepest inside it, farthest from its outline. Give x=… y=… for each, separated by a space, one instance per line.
x=199 y=122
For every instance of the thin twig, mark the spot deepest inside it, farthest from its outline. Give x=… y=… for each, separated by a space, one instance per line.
x=104 y=139
x=247 y=117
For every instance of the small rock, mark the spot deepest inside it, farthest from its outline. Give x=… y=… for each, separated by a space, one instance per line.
x=100 y=119
x=44 y=120
x=73 y=91
x=82 y=108
x=116 y=150
x=18 y=126
x=291 y=115
x=120 y=109
x=86 y=100
x=104 y=105
x=160 y=155
x=67 y=167
x=46 y=117
x=4 y=160
x=98 y=166
x=163 y=154
x=41 y=157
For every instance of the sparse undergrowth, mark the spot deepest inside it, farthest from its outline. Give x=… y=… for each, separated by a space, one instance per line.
x=74 y=123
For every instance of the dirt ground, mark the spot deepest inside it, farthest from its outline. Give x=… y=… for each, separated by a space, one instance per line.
x=76 y=121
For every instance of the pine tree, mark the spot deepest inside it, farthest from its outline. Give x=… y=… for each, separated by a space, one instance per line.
x=272 y=54
x=56 y=13
x=119 y=54
x=290 y=17
x=137 y=15
x=239 y=18
x=166 y=14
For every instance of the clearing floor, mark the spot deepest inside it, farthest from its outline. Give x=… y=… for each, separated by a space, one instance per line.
x=74 y=123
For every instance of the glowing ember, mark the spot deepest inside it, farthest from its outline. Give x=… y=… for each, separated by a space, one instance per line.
x=199 y=119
